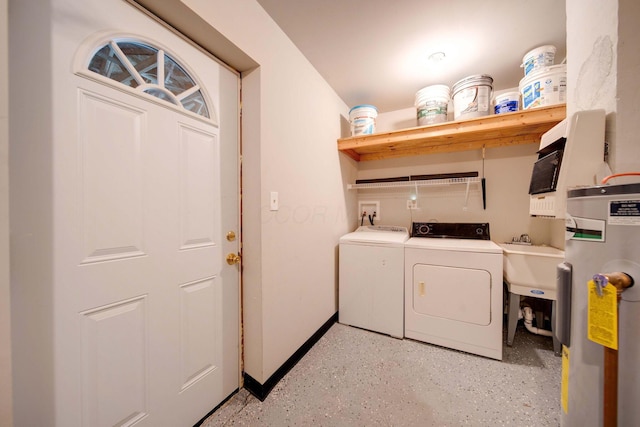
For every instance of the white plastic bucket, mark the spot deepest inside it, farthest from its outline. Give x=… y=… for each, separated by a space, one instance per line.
x=545 y=87
x=472 y=97
x=431 y=104
x=538 y=58
x=363 y=119
x=506 y=102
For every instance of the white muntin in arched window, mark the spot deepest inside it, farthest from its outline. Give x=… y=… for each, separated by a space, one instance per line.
x=146 y=68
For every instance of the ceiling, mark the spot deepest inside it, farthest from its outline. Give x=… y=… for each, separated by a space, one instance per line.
x=375 y=51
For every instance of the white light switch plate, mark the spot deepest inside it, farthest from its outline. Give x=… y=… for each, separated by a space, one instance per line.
x=273 y=201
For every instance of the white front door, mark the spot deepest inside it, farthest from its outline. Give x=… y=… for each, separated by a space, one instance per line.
x=145 y=308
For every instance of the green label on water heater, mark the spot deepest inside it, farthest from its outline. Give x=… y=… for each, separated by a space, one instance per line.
x=584 y=229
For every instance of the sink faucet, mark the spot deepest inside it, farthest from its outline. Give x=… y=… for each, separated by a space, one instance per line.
x=524 y=238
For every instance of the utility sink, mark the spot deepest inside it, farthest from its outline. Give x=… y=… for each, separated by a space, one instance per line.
x=531 y=270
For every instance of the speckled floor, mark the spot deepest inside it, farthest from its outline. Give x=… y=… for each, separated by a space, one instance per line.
x=353 y=377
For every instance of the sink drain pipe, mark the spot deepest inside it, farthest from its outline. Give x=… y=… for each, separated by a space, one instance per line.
x=527 y=313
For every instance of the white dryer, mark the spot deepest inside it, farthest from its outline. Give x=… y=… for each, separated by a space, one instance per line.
x=371 y=279
x=453 y=287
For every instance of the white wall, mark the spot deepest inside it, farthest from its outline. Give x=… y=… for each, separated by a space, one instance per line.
x=602 y=71
x=292 y=119
x=507 y=171
x=591 y=66
x=625 y=153
x=5 y=312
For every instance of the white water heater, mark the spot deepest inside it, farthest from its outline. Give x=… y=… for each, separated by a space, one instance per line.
x=602 y=232
x=570 y=155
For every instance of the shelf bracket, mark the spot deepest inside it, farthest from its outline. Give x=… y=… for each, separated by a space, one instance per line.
x=466 y=197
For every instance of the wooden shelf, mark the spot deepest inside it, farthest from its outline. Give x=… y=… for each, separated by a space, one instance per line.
x=521 y=127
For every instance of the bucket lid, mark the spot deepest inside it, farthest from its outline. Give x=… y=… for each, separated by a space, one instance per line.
x=363 y=107
x=535 y=75
x=436 y=92
x=482 y=79
x=433 y=91
x=532 y=52
x=506 y=95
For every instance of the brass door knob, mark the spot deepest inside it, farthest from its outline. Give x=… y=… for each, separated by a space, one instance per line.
x=233 y=259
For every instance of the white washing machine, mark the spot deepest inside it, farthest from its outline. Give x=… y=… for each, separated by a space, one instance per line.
x=371 y=279
x=453 y=287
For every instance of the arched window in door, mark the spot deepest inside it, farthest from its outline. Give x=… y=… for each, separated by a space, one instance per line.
x=151 y=70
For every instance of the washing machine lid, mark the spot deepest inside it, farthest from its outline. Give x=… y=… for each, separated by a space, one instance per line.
x=378 y=235
x=461 y=245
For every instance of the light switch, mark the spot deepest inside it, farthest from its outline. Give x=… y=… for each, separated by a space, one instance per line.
x=273 y=201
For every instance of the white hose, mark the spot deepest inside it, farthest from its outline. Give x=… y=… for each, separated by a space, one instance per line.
x=528 y=319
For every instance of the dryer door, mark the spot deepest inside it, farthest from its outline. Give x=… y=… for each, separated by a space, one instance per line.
x=454 y=293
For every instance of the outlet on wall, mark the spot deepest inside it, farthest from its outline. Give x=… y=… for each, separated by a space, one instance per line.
x=412 y=204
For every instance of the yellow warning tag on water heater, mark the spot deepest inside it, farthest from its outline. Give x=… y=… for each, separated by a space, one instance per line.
x=602 y=315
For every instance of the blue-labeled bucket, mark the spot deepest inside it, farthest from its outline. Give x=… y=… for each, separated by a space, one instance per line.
x=538 y=58
x=506 y=102
x=545 y=87
x=363 y=119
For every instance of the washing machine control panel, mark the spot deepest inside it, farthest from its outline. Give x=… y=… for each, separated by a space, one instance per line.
x=451 y=230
